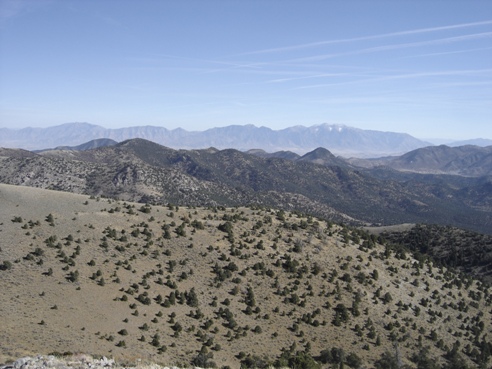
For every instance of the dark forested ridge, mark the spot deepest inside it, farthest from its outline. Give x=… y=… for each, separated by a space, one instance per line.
x=317 y=183
x=468 y=161
x=470 y=252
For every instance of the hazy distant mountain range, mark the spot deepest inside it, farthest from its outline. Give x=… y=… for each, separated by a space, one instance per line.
x=339 y=139
x=476 y=142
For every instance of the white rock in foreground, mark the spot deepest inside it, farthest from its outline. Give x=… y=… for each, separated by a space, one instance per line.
x=73 y=362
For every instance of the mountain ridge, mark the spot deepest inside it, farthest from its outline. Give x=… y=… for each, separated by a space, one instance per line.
x=468 y=160
x=141 y=170
x=476 y=142
x=339 y=139
x=93 y=144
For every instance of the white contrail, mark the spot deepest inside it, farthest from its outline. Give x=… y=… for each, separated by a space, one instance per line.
x=399 y=46
x=372 y=37
x=402 y=76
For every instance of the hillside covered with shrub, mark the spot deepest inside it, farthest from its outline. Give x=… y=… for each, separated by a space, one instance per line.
x=237 y=287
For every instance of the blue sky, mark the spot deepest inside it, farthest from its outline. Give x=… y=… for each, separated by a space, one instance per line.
x=422 y=67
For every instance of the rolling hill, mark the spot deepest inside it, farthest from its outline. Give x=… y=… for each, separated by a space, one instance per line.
x=240 y=286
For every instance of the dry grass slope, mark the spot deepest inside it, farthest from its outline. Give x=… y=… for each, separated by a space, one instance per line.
x=220 y=286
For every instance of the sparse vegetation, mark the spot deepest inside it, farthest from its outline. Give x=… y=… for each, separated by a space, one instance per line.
x=254 y=290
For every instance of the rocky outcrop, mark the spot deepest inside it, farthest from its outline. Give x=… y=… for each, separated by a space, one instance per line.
x=74 y=362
